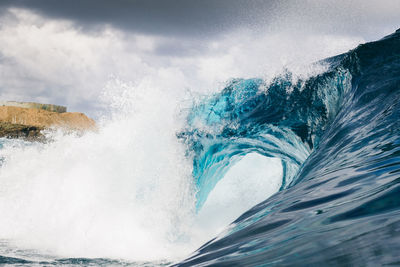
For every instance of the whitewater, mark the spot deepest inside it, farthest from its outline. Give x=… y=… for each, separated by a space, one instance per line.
x=298 y=168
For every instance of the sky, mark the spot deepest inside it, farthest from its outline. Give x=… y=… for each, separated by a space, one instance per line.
x=79 y=53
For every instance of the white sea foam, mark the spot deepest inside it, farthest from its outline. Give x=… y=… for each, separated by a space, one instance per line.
x=122 y=192
x=125 y=191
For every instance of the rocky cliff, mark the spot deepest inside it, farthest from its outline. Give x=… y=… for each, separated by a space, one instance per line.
x=29 y=122
x=48 y=107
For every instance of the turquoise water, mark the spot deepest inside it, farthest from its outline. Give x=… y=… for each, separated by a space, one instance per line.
x=340 y=202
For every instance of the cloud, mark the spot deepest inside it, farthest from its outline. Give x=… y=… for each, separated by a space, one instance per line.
x=50 y=61
x=202 y=19
x=171 y=17
x=67 y=54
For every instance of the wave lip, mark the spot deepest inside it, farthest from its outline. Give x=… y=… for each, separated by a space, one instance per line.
x=283 y=119
x=340 y=205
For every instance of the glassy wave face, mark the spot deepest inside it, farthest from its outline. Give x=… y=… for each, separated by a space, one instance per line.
x=338 y=136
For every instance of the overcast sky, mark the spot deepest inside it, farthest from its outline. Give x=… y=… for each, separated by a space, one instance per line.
x=70 y=52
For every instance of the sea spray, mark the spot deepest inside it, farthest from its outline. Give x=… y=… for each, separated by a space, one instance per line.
x=127 y=185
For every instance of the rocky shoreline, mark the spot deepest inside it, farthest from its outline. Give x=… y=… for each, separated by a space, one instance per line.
x=28 y=123
x=11 y=130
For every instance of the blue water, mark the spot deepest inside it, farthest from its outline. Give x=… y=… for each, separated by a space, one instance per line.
x=338 y=136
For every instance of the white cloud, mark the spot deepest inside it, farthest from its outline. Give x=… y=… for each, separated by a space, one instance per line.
x=49 y=60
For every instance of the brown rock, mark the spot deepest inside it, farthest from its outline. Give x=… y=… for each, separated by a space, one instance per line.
x=25 y=122
x=19 y=131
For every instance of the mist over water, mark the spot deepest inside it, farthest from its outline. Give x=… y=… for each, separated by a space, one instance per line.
x=125 y=191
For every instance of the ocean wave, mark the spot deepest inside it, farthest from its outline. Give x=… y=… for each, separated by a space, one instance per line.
x=339 y=204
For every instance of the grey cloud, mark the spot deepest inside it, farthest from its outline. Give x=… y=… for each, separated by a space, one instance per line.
x=202 y=18
x=163 y=17
x=180 y=48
